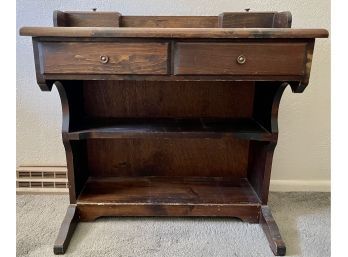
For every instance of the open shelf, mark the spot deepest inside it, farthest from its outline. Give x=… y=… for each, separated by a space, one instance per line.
x=168 y=128
x=168 y=191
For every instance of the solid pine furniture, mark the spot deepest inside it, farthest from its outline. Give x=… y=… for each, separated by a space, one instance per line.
x=171 y=116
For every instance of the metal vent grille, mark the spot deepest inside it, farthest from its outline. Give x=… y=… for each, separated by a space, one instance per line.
x=42 y=179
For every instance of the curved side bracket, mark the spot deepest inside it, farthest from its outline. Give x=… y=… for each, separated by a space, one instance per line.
x=66 y=142
x=275 y=107
x=298 y=87
x=71 y=93
x=266 y=106
x=45 y=85
x=65 y=106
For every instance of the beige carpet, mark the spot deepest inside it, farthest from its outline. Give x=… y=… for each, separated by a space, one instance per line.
x=303 y=219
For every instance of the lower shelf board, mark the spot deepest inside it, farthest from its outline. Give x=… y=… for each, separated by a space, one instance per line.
x=168 y=196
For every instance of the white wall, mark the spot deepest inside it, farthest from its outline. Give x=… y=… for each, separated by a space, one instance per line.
x=303 y=152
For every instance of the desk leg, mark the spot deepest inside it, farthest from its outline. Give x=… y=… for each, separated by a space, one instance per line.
x=66 y=230
x=271 y=230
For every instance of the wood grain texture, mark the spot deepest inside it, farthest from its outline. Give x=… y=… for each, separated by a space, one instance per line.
x=246 y=20
x=66 y=230
x=246 y=212
x=221 y=58
x=95 y=32
x=164 y=157
x=169 y=21
x=85 y=58
x=271 y=231
x=167 y=191
x=168 y=99
x=86 y=19
x=255 y=20
x=163 y=196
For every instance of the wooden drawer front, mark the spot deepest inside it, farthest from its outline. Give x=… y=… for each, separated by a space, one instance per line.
x=104 y=58
x=221 y=58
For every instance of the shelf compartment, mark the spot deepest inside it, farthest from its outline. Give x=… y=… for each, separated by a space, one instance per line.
x=169 y=128
x=174 y=196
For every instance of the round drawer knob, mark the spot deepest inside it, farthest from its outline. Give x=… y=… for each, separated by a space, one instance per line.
x=241 y=59
x=104 y=59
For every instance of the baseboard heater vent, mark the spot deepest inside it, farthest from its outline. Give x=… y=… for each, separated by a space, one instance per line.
x=42 y=179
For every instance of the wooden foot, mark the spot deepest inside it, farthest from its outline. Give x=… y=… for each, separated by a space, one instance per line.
x=271 y=230
x=66 y=230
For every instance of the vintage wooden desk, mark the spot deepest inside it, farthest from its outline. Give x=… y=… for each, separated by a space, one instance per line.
x=171 y=116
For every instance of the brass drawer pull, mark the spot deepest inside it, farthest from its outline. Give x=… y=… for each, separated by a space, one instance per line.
x=104 y=59
x=241 y=59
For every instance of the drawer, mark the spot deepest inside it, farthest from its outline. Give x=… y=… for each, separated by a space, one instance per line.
x=103 y=58
x=240 y=58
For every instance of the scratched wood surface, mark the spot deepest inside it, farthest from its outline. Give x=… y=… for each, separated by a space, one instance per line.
x=86 y=58
x=100 y=32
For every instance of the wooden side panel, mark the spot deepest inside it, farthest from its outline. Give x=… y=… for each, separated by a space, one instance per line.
x=282 y=20
x=120 y=58
x=266 y=106
x=163 y=157
x=221 y=58
x=255 y=20
x=71 y=98
x=135 y=99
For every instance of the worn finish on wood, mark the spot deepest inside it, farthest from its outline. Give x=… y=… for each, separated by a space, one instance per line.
x=255 y=20
x=282 y=20
x=271 y=230
x=246 y=20
x=173 y=32
x=300 y=87
x=169 y=21
x=163 y=196
x=246 y=212
x=66 y=230
x=170 y=115
x=87 y=58
x=86 y=19
x=221 y=58
x=168 y=191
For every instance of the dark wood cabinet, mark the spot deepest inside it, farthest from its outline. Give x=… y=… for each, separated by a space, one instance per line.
x=171 y=116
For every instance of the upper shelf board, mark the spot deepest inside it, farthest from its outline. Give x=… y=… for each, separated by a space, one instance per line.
x=112 y=32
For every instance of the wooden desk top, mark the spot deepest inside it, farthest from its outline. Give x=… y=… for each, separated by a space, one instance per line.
x=112 y=32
